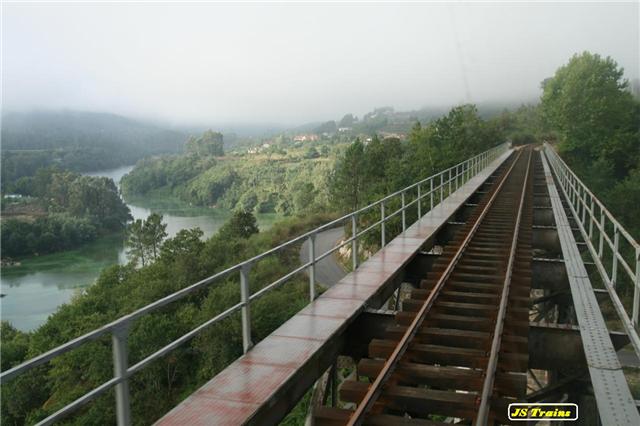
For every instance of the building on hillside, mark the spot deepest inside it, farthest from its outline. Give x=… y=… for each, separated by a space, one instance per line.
x=309 y=137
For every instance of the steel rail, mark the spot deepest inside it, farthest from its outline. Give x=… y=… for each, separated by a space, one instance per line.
x=487 y=387
x=389 y=367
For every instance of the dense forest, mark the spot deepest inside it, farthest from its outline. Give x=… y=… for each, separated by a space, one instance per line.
x=585 y=109
x=59 y=210
x=78 y=141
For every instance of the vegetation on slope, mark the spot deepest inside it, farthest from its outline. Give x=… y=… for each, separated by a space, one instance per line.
x=288 y=182
x=78 y=141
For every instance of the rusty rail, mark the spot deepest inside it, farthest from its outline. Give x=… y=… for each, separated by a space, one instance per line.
x=383 y=377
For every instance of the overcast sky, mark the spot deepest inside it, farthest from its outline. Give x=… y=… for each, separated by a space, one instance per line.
x=293 y=63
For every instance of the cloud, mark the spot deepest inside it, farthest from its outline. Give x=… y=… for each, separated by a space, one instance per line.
x=290 y=63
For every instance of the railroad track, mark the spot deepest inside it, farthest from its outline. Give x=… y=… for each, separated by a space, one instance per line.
x=459 y=346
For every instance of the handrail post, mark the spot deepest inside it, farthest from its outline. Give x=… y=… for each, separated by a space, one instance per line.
x=601 y=238
x=636 y=291
x=583 y=200
x=383 y=230
x=354 y=242
x=312 y=268
x=246 y=311
x=404 y=216
x=591 y=218
x=431 y=192
x=450 y=181
x=441 y=186
x=419 y=203
x=616 y=244
x=120 y=366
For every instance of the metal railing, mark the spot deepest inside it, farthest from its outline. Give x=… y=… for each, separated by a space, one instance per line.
x=598 y=226
x=427 y=193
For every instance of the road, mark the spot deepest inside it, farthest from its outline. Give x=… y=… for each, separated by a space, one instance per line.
x=328 y=270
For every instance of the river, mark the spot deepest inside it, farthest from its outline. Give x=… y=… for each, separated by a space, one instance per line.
x=40 y=284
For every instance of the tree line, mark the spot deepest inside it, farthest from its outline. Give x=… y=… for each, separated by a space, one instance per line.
x=77 y=209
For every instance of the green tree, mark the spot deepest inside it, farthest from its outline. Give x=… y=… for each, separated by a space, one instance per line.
x=241 y=225
x=144 y=239
x=347 y=180
x=137 y=249
x=155 y=232
x=209 y=143
x=588 y=103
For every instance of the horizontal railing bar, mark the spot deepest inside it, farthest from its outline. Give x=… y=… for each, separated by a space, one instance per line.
x=159 y=353
x=277 y=282
x=93 y=335
x=88 y=397
x=621 y=229
x=334 y=249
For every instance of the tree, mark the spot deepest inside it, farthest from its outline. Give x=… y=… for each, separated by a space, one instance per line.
x=327 y=127
x=588 y=104
x=241 y=225
x=144 y=239
x=347 y=121
x=209 y=143
x=155 y=232
x=346 y=182
x=137 y=248
x=311 y=153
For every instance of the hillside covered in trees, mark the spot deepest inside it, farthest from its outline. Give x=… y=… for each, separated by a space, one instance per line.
x=281 y=181
x=78 y=141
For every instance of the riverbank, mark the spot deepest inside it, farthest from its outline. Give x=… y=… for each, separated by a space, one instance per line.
x=35 y=286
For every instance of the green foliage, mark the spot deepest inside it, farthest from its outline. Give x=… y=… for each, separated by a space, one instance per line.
x=80 y=209
x=596 y=117
x=210 y=143
x=364 y=174
x=241 y=225
x=183 y=260
x=55 y=232
x=144 y=239
x=588 y=104
x=255 y=184
x=347 y=181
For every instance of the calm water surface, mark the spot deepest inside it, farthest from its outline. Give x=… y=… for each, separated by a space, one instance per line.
x=40 y=284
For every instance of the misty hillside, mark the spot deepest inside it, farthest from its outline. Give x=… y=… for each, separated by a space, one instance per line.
x=77 y=129
x=78 y=141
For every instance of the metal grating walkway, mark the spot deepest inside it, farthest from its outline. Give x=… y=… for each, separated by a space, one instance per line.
x=614 y=400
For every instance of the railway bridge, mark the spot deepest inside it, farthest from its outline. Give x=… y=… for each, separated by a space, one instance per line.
x=500 y=280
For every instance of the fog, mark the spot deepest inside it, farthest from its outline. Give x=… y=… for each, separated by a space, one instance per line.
x=293 y=63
